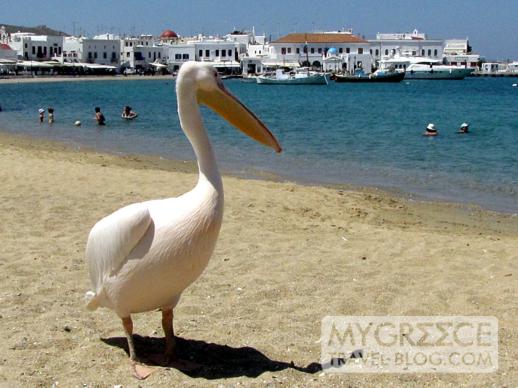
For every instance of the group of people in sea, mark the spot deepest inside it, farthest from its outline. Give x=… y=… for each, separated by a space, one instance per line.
x=127 y=114
x=432 y=131
x=50 y=111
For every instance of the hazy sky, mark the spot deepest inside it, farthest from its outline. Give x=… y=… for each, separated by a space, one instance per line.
x=491 y=26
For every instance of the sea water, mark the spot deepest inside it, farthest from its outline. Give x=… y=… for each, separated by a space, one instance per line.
x=361 y=134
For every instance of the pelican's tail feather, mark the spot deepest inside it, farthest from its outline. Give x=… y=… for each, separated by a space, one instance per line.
x=92 y=300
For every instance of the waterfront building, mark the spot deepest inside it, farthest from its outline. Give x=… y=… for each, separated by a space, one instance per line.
x=413 y=44
x=222 y=52
x=31 y=47
x=458 y=52
x=101 y=50
x=311 y=49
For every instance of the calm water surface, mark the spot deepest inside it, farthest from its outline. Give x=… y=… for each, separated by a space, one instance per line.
x=341 y=133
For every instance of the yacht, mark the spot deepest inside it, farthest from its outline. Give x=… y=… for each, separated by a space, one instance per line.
x=424 y=68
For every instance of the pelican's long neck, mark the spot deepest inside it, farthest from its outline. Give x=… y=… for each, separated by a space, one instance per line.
x=192 y=125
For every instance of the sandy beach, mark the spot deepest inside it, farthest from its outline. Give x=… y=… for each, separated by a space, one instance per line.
x=287 y=256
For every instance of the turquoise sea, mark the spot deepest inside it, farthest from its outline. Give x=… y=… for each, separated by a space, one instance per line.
x=341 y=133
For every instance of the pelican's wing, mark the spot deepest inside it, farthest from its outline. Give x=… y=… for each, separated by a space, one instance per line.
x=112 y=239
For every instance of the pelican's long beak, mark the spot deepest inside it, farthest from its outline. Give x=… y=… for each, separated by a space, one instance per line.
x=232 y=110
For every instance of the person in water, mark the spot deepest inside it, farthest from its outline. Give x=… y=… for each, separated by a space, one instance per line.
x=41 y=113
x=430 y=130
x=464 y=128
x=127 y=113
x=51 y=115
x=99 y=116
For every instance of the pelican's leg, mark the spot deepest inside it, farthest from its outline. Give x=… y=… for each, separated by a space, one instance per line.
x=171 y=358
x=170 y=342
x=139 y=371
x=128 y=329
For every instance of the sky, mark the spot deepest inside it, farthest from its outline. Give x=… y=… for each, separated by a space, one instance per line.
x=491 y=26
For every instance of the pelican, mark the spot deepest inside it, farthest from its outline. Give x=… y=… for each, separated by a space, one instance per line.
x=144 y=255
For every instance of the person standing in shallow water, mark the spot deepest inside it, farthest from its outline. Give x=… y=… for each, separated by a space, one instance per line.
x=99 y=116
x=41 y=113
x=51 y=115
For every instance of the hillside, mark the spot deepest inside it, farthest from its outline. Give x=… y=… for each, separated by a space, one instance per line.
x=39 y=30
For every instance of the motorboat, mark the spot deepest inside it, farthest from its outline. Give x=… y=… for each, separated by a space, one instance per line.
x=424 y=68
x=378 y=76
x=301 y=77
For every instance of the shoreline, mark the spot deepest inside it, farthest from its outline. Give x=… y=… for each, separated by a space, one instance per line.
x=153 y=162
x=256 y=174
x=47 y=79
x=287 y=256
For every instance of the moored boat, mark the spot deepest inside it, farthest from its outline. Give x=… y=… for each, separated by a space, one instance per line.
x=377 y=76
x=296 y=78
x=424 y=68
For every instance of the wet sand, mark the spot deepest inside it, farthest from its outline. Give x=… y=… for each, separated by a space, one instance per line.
x=287 y=256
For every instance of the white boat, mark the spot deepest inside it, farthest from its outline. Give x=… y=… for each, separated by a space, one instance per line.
x=424 y=68
x=301 y=77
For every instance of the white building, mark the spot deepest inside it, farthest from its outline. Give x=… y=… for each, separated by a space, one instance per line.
x=408 y=44
x=140 y=52
x=310 y=49
x=32 y=47
x=222 y=53
x=101 y=50
x=458 y=52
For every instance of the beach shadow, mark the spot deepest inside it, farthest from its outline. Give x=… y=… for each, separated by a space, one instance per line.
x=214 y=361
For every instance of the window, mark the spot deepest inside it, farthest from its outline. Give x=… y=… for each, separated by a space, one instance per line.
x=207 y=53
x=377 y=52
x=347 y=50
x=114 y=56
x=340 y=50
x=360 y=50
x=386 y=51
x=414 y=53
x=89 y=55
x=370 y=51
x=429 y=52
x=33 y=50
x=178 y=56
x=95 y=54
x=105 y=55
x=200 y=53
x=26 y=45
x=320 y=50
x=185 y=56
x=217 y=53
x=283 y=50
x=126 y=44
x=159 y=55
x=229 y=53
x=131 y=44
x=223 y=53
x=298 y=50
x=289 y=50
x=422 y=52
x=59 y=50
x=305 y=49
x=127 y=54
x=312 y=50
x=435 y=52
x=149 y=55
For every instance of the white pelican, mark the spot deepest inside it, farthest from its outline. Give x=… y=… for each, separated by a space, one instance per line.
x=142 y=256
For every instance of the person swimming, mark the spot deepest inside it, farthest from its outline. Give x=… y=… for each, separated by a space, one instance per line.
x=128 y=114
x=464 y=128
x=99 y=116
x=430 y=130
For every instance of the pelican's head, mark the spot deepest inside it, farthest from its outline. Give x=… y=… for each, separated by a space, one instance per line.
x=210 y=91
